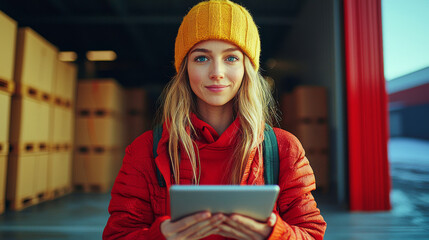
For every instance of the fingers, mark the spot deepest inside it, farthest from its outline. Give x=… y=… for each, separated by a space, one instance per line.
x=238 y=226
x=272 y=220
x=169 y=228
x=189 y=221
x=210 y=228
x=247 y=223
x=211 y=232
x=231 y=232
x=203 y=224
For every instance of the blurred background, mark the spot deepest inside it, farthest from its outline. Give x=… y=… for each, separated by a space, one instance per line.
x=80 y=80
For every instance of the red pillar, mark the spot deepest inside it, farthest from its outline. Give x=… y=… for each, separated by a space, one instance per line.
x=369 y=178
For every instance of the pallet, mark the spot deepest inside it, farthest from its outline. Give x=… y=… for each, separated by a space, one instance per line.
x=62 y=102
x=24 y=202
x=4 y=148
x=32 y=92
x=7 y=86
x=96 y=149
x=60 y=147
x=60 y=192
x=98 y=113
x=29 y=147
x=92 y=188
x=2 y=206
x=3 y=171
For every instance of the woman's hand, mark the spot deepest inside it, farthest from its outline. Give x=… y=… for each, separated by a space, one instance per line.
x=196 y=226
x=241 y=227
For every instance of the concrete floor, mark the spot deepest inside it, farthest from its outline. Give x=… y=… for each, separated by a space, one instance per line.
x=83 y=216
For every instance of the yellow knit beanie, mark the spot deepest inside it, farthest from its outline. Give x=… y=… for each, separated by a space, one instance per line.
x=222 y=20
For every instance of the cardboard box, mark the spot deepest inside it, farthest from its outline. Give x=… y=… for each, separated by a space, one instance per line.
x=313 y=136
x=59 y=170
x=64 y=88
x=3 y=168
x=136 y=101
x=30 y=125
x=36 y=61
x=27 y=179
x=21 y=176
x=100 y=94
x=287 y=107
x=69 y=121
x=135 y=126
x=310 y=102
x=319 y=162
x=59 y=124
x=44 y=122
x=8 y=29
x=24 y=125
x=55 y=170
x=67 y=168
x=41 y=173
x=69 y=86
x=5 y=102
x=98 y=131
x=93 y=172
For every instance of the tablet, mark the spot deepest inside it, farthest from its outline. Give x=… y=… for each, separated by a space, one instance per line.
x=254 y=201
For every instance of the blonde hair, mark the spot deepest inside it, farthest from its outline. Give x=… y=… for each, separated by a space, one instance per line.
x=253 y=103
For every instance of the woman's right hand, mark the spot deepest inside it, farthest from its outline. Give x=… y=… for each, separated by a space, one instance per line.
x=196 y=226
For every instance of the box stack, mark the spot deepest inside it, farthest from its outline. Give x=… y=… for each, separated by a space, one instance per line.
x=136 y=114
x=62 y=130
x=8 y=29
x=27 y=179
x=99 y=137
x=305 y=115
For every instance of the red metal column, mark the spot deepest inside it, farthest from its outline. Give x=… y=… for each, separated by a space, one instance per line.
x=366 y=107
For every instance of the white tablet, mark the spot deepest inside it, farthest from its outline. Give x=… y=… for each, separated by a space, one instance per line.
x=254 y=201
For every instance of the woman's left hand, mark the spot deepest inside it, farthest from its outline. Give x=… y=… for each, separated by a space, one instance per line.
x=241 y=227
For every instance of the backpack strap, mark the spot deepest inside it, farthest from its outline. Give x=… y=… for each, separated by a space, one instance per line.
x=271 y=156
x=157 y=134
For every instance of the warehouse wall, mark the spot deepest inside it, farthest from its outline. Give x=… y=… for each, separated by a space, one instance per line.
x=410 y=122
x=314 y=46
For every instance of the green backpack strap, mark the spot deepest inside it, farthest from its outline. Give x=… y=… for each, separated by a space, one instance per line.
x=157 y=134
x=271 y=156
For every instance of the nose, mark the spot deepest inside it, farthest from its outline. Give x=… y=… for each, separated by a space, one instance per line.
x=216 y=70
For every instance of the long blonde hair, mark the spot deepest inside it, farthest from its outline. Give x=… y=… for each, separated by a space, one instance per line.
x=253 y=103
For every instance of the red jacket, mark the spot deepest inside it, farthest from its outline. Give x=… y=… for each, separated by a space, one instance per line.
x=139 y=205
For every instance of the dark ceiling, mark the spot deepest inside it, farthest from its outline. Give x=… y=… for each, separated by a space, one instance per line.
x=141 y=32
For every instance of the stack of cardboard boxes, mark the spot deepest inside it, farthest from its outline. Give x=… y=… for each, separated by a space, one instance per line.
x=100 y=134
x=62 y=130
x=36 y=118
x=40 y=159
x=27 y=181
x=7 y=59
x=136 y=114
x=305 y=115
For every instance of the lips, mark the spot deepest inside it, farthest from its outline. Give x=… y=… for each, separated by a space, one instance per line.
x=216 y=88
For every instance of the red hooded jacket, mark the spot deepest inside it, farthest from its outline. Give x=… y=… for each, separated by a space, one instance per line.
x=139 y=205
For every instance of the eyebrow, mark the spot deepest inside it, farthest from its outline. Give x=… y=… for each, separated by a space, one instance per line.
x=204 y=50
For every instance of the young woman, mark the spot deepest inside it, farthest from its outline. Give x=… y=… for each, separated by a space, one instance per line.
x=213 y=115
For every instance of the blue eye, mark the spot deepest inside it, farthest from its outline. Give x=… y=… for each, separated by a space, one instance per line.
x=231 y=59
x=200 y=59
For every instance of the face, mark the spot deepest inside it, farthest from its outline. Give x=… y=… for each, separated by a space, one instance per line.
x=216 y=70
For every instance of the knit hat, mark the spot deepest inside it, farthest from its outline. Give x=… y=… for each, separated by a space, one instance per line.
x=222 y=20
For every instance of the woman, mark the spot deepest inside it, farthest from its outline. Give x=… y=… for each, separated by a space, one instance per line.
x=213 y=115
